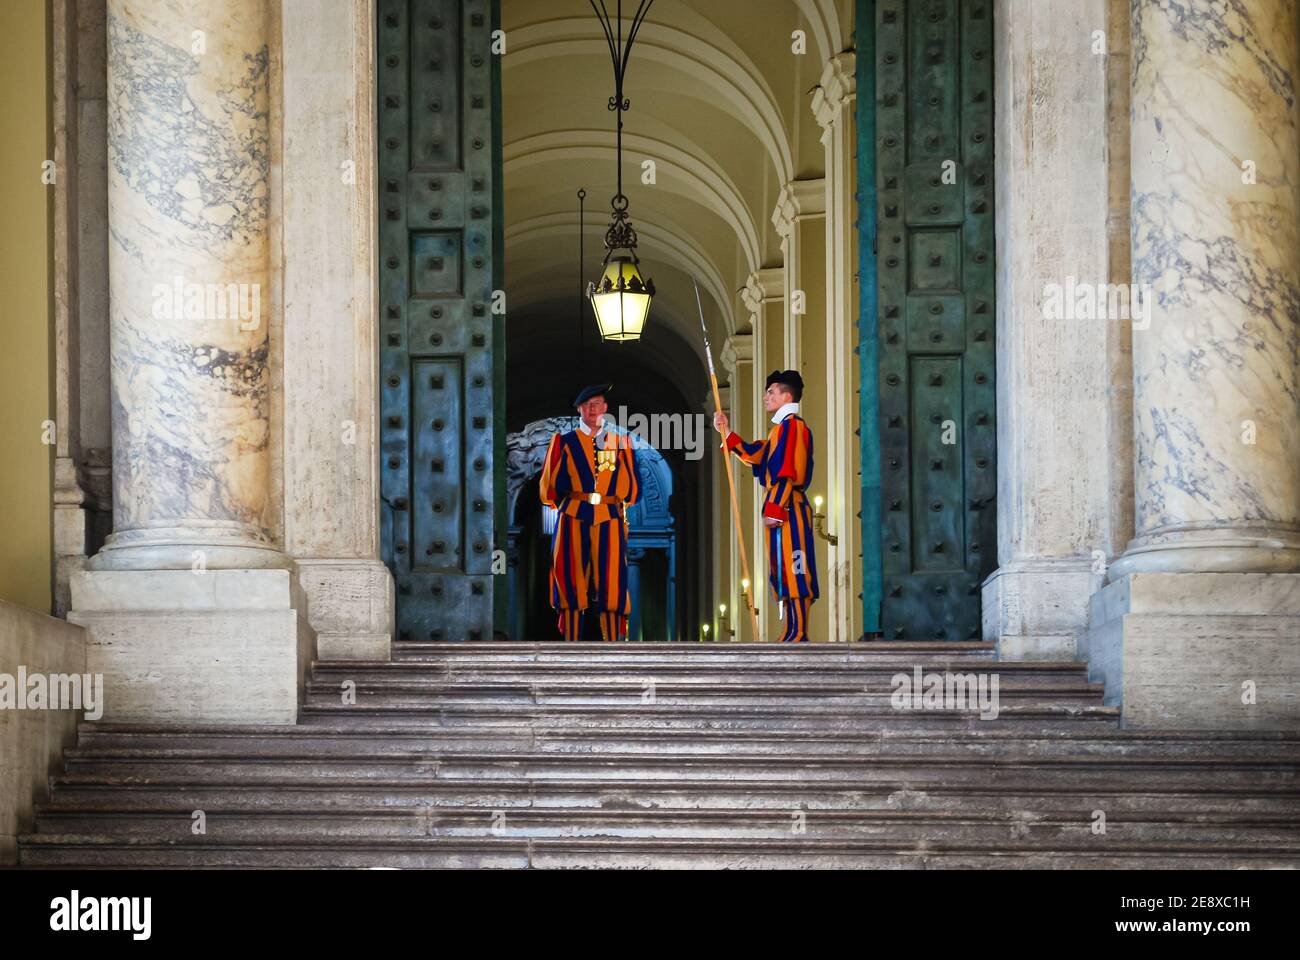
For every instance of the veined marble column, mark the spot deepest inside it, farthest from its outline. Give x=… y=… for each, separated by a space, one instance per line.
x=1216 y=202
x=832 y=104
x=1198 y=627
x=192 y=613
x=189 y=202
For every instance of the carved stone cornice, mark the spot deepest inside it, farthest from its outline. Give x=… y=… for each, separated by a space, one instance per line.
x=738 y=349
x=798 y=198
x=836 y=89
x=762 y=286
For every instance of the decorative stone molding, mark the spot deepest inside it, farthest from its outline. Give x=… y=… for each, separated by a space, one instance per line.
x=797 y=199
x=739 y=348
x=835 y=92
x=762 y=286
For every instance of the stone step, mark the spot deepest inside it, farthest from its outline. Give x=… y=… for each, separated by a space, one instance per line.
x=640 y=657
x=881 y=678
x=1156 y=802
x=548 y=755
x=702 y=695
x=606 y=686
x=699 y=651
x=795 y=666
x=307 y=743
x=54 y=850
x=1043 y=718
x=1237 y=832
x=1084 y=772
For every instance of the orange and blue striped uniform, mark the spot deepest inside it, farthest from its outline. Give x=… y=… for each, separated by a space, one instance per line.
x=589 y=547
x=783 y=464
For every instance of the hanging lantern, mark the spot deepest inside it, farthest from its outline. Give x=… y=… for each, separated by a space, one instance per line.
x=621 y=297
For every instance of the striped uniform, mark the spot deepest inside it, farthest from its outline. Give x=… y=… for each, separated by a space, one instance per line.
x=589 y=548
x=783 y=464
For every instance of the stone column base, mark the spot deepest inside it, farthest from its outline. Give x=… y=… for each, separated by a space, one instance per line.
x=1036 y=609
x=1182 y=651
x=175 y=646
x=352 y=608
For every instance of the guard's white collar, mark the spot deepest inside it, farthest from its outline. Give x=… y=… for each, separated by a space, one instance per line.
x=582 y=425
x=785 y=410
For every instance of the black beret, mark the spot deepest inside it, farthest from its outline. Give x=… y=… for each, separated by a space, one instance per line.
x=595 y=390
x=787 y=378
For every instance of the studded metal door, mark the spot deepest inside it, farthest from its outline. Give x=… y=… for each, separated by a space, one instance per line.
x=437 y=180
x=934 y=262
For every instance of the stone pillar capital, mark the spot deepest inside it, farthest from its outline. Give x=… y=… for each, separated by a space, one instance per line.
x=836 y=90
x=798 y=199
x=738 y=349
x=762 y=285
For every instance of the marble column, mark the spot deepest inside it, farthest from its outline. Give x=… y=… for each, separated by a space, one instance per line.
x=193 y=613
x=189 y=203
x=1199 y=625
x=833 y=106
x=1216 y=212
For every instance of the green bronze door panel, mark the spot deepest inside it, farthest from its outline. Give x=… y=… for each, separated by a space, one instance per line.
x=934 y=337
x=436 y=241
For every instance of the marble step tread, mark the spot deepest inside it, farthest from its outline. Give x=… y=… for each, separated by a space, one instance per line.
x=796 y=666
x=144 y=733
x=1211 y=798
x=601 y=742
x=56 y=850
x=965 y=647
x=1275 y=834
x=855 y=716
x=299 y=747
x=880 y=680
x=76 y=756
x=908 y=772
x=740 y=705
x=1018 y=686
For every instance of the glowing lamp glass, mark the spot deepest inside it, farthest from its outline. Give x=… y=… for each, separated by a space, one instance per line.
x=621 y=300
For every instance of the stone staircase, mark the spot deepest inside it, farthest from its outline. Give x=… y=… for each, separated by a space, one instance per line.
x=682 y=755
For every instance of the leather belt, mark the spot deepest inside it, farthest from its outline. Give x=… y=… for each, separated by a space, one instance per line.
x=595 y=498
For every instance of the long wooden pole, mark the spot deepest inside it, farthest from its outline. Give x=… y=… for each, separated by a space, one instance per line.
x=731 y=480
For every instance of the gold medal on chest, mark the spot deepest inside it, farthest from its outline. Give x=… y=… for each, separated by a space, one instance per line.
x=606 y=460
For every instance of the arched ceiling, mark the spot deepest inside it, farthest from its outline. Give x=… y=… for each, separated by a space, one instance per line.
x=719 y=103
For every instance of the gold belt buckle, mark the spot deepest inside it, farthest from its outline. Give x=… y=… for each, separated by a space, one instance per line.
x=594 y=499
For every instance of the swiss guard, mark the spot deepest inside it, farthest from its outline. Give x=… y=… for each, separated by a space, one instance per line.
x=783 y=464
x=590 y=477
